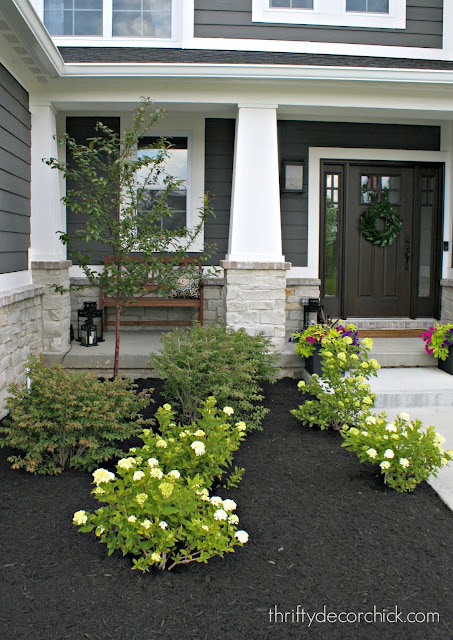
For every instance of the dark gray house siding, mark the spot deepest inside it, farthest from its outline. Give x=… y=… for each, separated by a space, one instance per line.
x=82 y=128
x=294 y=140
x=15 y=125
x=219 y=145
x=233 y=19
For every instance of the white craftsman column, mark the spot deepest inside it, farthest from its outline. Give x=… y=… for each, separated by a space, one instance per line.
x=47 y=212
x=255 y=269
x=47 y=255
x=255 y=226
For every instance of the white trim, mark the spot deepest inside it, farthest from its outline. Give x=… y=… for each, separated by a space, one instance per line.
x=316 y=154
x=331 y=13
x=15 y=280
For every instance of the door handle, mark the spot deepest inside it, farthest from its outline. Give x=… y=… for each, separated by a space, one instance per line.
x=407 y=252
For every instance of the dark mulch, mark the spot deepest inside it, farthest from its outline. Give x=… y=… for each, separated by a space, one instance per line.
x=323 y=529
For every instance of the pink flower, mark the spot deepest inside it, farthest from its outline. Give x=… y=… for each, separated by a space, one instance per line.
x=311 y=339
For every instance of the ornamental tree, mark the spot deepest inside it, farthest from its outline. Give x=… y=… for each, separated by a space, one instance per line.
x=122 y=216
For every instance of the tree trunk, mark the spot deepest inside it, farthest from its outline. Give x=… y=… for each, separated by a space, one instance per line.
x=117 y=339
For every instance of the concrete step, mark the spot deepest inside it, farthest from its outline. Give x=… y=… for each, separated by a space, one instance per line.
x=401 y=352
x=413 y=387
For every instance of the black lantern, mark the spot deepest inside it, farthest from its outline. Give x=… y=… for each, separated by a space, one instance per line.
x=88 y=335
x=311 y=307
x=90 y=315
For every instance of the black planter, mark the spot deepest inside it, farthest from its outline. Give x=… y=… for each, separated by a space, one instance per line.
x=446 y=365
x=313 y=363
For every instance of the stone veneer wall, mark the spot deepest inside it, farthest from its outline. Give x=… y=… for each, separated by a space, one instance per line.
x=213 y=311
x=21 y=315
x=447 y=300
x=297 y=288
x=55 y=306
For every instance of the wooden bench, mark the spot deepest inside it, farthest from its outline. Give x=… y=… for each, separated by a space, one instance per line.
x=151 y=300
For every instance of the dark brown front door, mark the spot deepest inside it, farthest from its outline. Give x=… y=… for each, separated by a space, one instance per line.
x=361 y=279
x=378 y=279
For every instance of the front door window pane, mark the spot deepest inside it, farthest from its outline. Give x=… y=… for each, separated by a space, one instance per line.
x=73 y=17
x=373 y=186
x=142 y=18
x=331 y=242
x=426 y=226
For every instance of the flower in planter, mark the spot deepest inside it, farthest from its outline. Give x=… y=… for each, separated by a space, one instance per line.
x=309 y=337
x=438 y=340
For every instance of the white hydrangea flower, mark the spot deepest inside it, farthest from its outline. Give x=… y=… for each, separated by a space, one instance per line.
x=445 y=461
x=163 y=524
x=388 y=453
x=229 y=505
x=199 y=433
x=367 y=400
x=126 y=463
x=174 y=474
x=242 y=536
x=228 y=410
x=220 y=514
x=161 y=444
x=300 y=385
x=156 y=473
x=98 y=491
x=385 y=465
x=205 y=527
x=167 y=407
x=370 y=420
x=404 y=462
x=241 y=426
x=341 y=356
x=438 y=437
x=156 y=557
x=364 y=433
x=80 y=517
x=391 y=428
x=138 y=475
x=215 y=500
x=102 y=475
x=153 y=462
x=198 y=447
x=141 y=498
x=132 y=518
x=371 y=453
x=405 y=416
x=146 y=524
x=233 y=519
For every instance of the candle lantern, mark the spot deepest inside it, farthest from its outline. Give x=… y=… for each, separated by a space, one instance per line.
x=88 y=335
x=90 y=315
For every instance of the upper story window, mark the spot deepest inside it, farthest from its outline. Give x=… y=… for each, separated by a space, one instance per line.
x=368 y=6
x=373 y=14
x=108 y=18
x=73 y=17
x=142 y=18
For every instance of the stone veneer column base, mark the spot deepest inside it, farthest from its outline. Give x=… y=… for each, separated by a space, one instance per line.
x=447 y=300
x=56 y=308
x=255 y=298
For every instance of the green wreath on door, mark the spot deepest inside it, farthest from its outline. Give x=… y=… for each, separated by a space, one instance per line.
x=370 y=218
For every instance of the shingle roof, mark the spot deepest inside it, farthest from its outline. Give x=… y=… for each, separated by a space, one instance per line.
x=142 y=55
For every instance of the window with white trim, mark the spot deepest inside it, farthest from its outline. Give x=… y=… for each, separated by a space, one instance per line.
x=176 y=166
x=109 y=18
x=374 y=14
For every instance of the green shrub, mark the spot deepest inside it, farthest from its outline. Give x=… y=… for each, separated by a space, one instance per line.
x=405 y=452
x=216 y=361
x=69 y=419
x=342 y=395
x=204 y=448
x=159 y=509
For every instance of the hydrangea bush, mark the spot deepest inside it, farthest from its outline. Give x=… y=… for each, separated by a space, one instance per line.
x=342 y=395
x=158 y=507
x=205 y=448
x=405 y=452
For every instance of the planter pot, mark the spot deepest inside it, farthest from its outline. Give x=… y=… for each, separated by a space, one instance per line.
x=446 y=365
x=313 y=363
